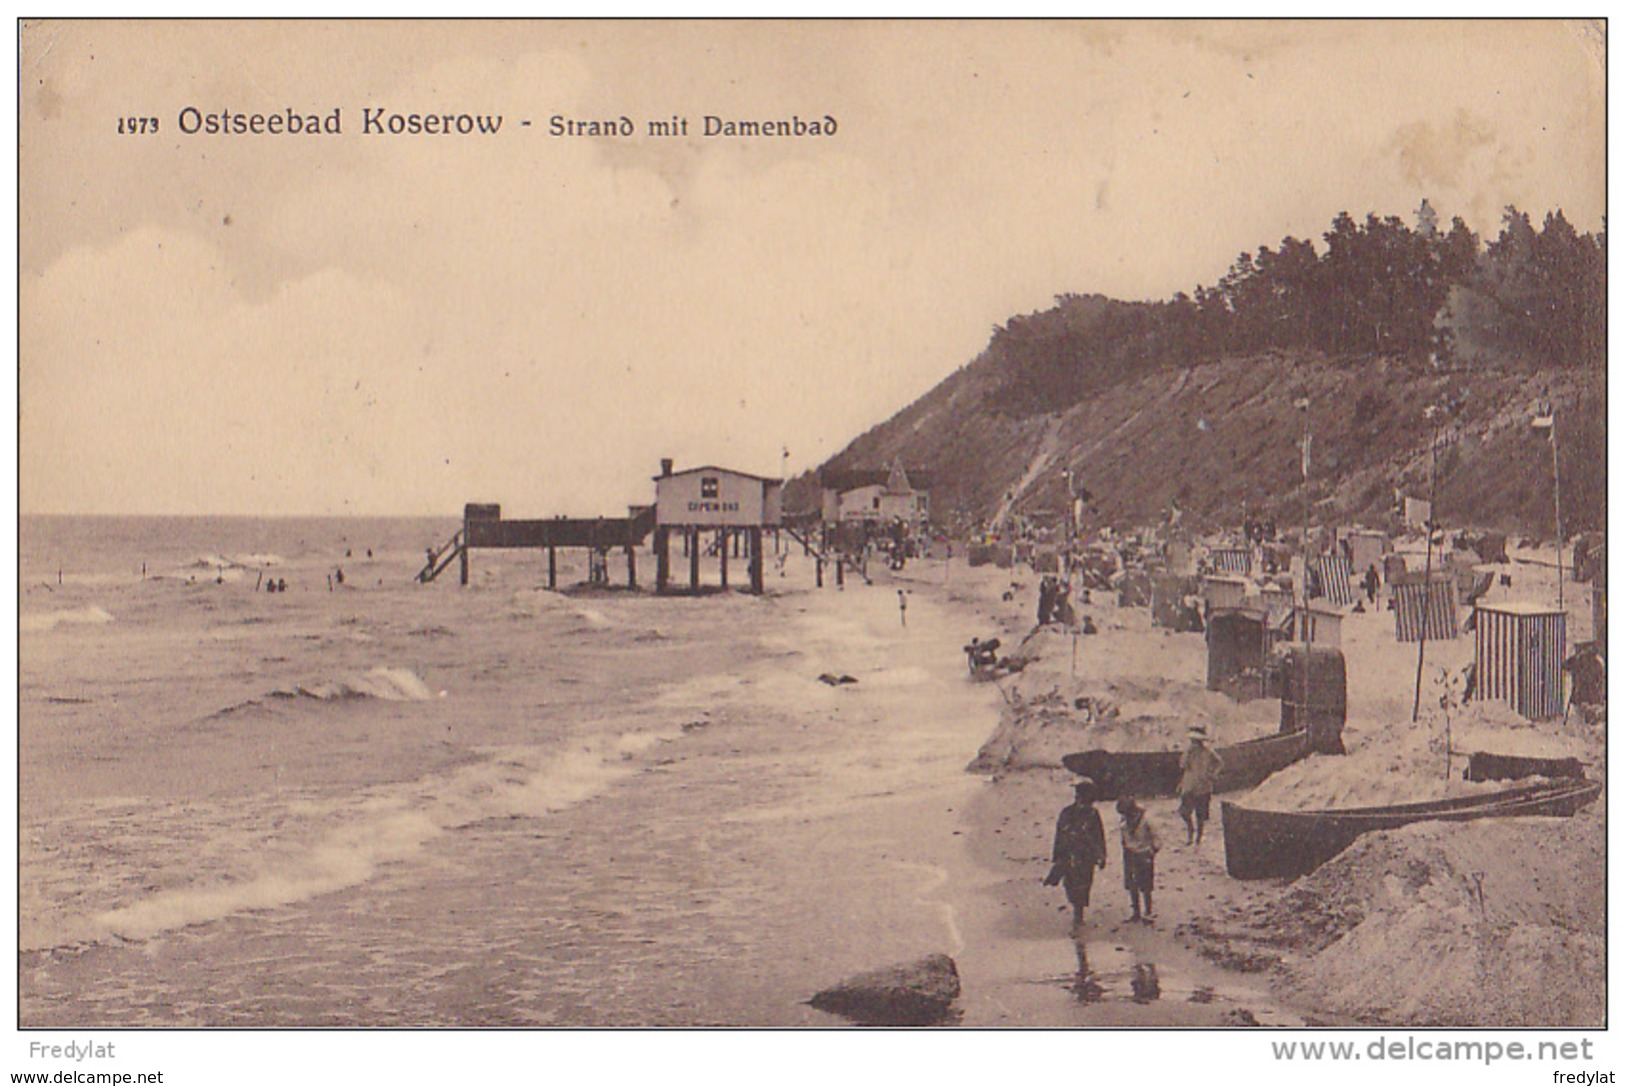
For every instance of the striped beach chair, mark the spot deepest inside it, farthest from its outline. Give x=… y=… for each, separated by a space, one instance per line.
x=1336 y=580
x=1425 y=609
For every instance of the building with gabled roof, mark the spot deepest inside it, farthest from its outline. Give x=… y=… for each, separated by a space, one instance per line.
x=883 y=496
x=736 y=505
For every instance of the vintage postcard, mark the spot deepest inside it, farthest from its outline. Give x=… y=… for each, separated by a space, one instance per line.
x=668 y=525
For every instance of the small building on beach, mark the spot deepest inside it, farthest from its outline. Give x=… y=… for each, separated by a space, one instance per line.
x=883 y=496
x=1365 y=550
x=731 y=506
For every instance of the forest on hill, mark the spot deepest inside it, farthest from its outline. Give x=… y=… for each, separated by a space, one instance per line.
x=1531 y=297
x=1191 y=401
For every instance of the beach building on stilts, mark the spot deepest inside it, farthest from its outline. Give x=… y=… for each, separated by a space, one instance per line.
x=717 y=510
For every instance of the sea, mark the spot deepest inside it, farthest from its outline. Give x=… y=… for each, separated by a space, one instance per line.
x=376 y=802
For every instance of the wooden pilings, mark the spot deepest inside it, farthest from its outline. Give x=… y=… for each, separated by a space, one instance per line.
x=755 y=544
x=662 y=558
x=727 y=543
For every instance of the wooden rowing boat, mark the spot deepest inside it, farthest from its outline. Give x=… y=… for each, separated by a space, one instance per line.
x=1156 y=772
x=1264 y=844
x=1485 y=766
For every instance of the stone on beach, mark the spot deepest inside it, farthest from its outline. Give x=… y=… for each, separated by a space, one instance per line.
x=911 y=994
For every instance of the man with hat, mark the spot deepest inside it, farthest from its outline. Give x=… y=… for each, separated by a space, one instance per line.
x=1199 y=769
x=1080 y=849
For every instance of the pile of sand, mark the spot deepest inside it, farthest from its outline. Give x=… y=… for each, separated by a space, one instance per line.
x=1404 y=765
x=1489 y=923
x=1464 y=924
x=1407 y=763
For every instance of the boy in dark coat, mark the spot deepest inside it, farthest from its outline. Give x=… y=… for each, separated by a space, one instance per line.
x=1080 y=850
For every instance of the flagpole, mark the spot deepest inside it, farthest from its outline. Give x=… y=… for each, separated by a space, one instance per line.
x=1557 y=506
x=1302 y=694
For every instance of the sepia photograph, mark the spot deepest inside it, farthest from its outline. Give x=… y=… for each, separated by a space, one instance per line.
x=617 y=534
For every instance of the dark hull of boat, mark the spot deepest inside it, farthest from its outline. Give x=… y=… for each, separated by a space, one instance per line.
x=1156 y=773
x=1284 y=844
x=1484 y=766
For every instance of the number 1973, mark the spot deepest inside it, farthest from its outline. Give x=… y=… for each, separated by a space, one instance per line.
x=137 y=126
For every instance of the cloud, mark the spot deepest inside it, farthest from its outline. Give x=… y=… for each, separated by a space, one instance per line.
x=154 y=384
x=383 y=324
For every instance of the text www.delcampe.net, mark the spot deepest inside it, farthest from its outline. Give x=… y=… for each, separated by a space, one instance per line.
x=89 y=1078
x=1412 y=1048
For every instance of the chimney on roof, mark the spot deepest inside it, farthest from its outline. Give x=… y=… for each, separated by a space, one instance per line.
x=665 y=466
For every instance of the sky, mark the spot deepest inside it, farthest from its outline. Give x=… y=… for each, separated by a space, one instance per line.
x=372 y=324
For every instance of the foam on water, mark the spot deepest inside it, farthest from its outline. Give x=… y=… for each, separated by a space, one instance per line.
x=389 y=827
x=345 y=858
x=89 y=615
x=384 y=683
x=539 y=601
x=241 y=561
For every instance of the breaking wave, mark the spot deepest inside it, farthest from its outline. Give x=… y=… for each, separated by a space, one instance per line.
x=392 y=826
x=90 y=615
x=537 y=602
x=384 y=683
x=242 y=561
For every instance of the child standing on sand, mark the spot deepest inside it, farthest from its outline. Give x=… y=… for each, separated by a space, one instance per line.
x=1139 y=856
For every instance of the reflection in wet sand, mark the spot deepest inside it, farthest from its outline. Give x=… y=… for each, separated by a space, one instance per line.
x=1109 y=973
x=1144 y=983
x=1085 y=986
